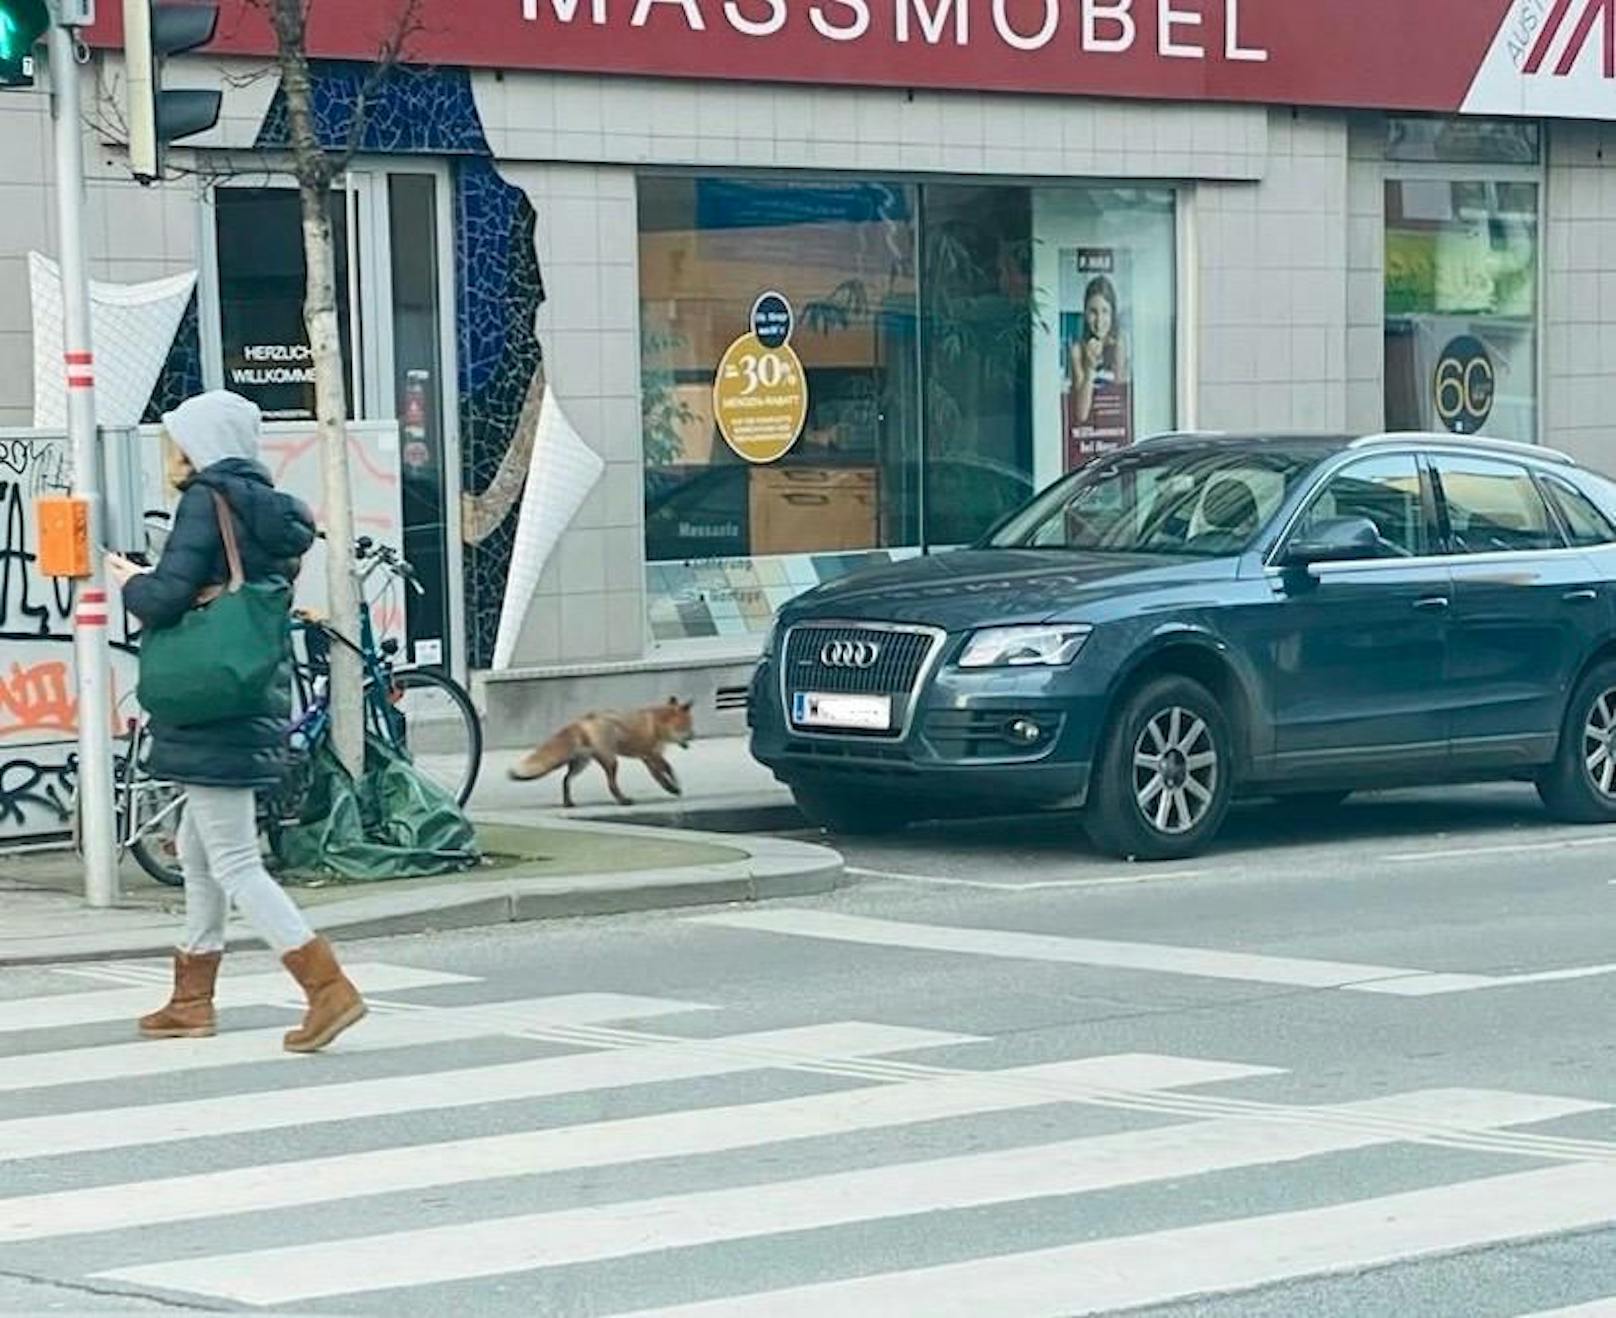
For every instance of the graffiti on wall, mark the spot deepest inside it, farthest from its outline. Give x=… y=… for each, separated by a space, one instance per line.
x=39 y=716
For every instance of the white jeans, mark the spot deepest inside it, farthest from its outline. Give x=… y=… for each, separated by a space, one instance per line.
x=218 y=846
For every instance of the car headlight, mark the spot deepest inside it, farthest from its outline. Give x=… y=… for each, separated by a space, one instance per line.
x=769 y=639
x=1024 y=647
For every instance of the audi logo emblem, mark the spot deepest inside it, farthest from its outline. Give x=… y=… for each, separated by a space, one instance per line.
x=849 y=654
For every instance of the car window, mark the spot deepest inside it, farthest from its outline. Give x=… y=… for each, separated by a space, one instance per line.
x=1384 y=490
x=1494 y=507
x=1584 y=523
x=1202 y=501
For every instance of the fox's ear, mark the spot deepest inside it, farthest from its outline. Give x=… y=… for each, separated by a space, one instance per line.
x=673 y=700
x=685 y=705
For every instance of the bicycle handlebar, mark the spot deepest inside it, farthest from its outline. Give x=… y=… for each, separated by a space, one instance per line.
x=370 y=557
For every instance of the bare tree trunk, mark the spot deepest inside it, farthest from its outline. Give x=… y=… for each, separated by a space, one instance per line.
x=314 y=178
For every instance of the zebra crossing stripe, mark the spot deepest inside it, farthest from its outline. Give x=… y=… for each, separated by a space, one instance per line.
x=1162 y=1267
x=277 y=1108
x=680 y=1134
x=57 y=1011
x=463 y=1252
x=383 y=1030
x=1205 y=963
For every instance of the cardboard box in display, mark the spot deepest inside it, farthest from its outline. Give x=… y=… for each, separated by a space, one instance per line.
x=801 y=510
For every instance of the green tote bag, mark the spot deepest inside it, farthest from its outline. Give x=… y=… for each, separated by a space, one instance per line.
x=226 y=658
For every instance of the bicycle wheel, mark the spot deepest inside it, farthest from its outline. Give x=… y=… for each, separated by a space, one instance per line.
x=157 y=809
x=435 y=722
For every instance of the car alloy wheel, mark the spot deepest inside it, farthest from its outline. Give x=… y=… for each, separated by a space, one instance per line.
x=1175 y=771
x=1599 y=744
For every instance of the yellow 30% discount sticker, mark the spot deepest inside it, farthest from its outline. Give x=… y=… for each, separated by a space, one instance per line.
x=760 y=399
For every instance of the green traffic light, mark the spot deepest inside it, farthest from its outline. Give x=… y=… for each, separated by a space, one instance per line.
x=22 y=23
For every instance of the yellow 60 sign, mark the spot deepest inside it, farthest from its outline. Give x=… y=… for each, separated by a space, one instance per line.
x=1465 y=385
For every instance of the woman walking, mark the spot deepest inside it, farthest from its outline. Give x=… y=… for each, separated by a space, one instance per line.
x=232 y=525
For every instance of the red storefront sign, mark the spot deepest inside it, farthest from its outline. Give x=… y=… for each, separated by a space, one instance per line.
x=1534 y=57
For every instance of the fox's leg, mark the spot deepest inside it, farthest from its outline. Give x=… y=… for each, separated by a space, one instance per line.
x=608 y=763
x=662 y=771
x=574 y=768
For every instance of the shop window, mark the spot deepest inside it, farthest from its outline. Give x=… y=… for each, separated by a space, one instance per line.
x=1461 y=306
x=1105 y=330
x=978 y=308
x=261 y=290
x=959 y=346
x=841 y=255
x=1467 y=141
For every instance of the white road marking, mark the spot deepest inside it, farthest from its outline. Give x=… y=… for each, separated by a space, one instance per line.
x=382 y=1030
x=1597 y=1309
x=1160 y=958
x=1145 y=875
x=493 y=1247
x=64 y=1010
x=1499 y=849
x=1206 y=963
x=1189 y=1262
x=679 y=1134
x=279 y=1108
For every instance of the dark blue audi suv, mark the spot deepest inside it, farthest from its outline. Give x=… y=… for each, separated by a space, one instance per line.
x=1201 y=617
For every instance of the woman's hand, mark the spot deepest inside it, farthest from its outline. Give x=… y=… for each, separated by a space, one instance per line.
x=121 y=570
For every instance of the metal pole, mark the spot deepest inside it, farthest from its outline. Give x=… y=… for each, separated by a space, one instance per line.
x=90 y=619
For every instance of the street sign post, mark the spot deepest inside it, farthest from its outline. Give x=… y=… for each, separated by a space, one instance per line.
x=91 y=666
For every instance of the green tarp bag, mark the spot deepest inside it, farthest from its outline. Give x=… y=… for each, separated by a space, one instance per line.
x=226 y=658
x=394 y=823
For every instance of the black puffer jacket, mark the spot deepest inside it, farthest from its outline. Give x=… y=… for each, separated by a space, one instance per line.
x=274 y=531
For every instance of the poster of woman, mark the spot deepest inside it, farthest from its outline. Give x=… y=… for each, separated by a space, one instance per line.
x=1097 y=402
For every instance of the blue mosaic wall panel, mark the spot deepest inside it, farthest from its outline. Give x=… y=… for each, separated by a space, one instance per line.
x=408 y=111
x=498 y=284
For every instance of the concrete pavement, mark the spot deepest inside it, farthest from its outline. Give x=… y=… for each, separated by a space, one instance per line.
x=599 y=859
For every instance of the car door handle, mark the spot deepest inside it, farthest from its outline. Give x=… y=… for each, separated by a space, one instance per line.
x=1580 y=596
x=1432 y=602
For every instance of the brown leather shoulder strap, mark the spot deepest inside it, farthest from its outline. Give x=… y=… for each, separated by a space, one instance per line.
x=232 y=549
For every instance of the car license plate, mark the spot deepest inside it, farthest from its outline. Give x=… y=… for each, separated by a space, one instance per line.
x=862 y=713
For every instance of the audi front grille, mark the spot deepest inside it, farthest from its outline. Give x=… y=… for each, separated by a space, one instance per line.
x=865 y=661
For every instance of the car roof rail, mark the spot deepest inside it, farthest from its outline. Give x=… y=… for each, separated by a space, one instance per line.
x=1163 y=436
x=1478 y=443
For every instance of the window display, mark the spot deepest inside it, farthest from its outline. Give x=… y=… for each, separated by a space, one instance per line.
x=840 y=372
x=1461 y=306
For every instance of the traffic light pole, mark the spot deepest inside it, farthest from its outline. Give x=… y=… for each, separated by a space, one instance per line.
x=90 y=618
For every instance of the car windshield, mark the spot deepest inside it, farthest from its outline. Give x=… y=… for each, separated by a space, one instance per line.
x=1202 y=502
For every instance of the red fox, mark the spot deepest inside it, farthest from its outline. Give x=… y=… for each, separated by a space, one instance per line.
x=604 y=738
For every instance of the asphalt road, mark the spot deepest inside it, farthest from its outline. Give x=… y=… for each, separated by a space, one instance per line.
x=1363 y=1066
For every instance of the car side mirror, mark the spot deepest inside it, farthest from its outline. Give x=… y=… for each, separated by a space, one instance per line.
x=1339 y=540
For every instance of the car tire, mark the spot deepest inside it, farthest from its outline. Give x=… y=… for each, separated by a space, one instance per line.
x=1580 y=786
x=849 y=815
x=1156 y=795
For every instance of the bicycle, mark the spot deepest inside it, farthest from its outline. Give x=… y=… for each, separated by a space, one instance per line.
x=399 y=703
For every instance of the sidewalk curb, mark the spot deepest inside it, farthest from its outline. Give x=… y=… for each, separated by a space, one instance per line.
x=771 y=868
x=759 y=814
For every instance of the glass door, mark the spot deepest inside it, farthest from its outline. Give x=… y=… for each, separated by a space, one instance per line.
x=413 y=351
x=395 y=295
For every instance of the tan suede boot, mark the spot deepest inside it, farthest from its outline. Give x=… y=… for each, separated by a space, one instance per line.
x=334 y=1003
x=189 y=1014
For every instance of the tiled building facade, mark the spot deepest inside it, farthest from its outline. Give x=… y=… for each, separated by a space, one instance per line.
x=567 y=212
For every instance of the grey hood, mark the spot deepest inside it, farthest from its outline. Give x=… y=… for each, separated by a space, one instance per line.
x=214 y=427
